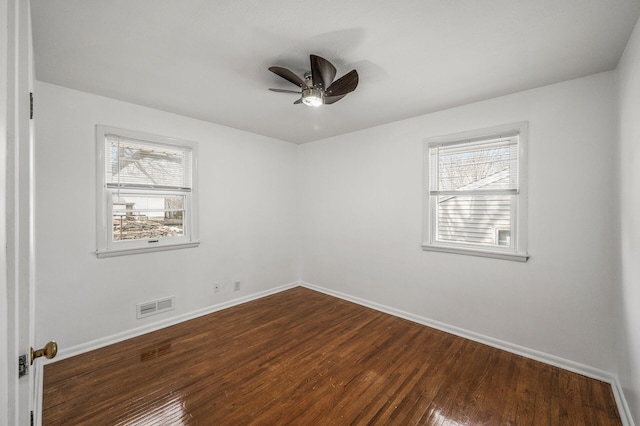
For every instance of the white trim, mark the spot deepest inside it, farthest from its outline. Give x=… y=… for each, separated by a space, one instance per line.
x=481 y=253
x=38 y=368
x=473 y=135
x=556 y=361
x=621 y=402
x=119 y=337
x=113 y=253
x=502 y=133
x=6 y=204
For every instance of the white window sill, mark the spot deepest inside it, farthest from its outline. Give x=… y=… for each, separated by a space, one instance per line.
x=517 y=257
x=124 y=252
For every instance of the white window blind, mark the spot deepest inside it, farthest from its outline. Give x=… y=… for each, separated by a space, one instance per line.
x=139 y=164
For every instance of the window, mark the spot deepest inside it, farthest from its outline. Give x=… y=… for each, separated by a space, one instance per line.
x=475 y=199
x=146 y=192
x=503 y=237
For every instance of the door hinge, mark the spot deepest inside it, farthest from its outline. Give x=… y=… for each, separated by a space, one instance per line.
x=31 y=105
x=23 y=366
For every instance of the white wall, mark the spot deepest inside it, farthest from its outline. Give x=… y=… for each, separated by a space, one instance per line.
x=248 y=220
x=361 y=223
x=629 y=111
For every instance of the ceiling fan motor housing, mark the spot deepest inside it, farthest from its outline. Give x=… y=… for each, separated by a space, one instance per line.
x=308 y=78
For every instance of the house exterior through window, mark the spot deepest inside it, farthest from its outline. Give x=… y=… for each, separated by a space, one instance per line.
x=475 y=196
x=146 y=192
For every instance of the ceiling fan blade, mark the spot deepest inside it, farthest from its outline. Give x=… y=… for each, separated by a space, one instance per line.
x=284 y=91
x=287 y=75
x=299 y=101
x=328 y=100
x=345 y=84
x=322 y=72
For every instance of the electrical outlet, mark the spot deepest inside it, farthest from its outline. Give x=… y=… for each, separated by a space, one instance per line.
x=216 y=287
x=236 y=286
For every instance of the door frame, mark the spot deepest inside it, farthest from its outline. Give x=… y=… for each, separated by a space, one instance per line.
x=16 y=211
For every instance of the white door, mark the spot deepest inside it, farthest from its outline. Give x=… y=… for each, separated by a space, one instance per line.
x=16 y=394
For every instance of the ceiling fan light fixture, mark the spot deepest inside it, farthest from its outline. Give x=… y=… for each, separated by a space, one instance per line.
x=312 y=97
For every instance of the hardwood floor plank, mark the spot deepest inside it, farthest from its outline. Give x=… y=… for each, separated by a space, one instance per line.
x=299 y=358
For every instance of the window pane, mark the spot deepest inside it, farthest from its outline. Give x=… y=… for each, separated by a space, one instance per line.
x=138 y=217
x=504 y=237
x=474 y=219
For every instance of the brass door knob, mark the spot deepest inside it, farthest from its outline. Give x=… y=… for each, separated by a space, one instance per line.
x=49 y=351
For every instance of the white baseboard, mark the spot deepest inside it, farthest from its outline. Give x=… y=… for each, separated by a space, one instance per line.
x=621 y=401
x=585 y=370
x=119 y=337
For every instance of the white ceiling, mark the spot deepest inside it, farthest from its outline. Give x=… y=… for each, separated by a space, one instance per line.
x=208 y=59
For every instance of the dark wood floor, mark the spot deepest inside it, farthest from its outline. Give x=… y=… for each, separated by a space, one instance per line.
x=304 y=358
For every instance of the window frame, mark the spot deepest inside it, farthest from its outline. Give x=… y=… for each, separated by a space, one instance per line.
x=106 y=246
x=518 y=249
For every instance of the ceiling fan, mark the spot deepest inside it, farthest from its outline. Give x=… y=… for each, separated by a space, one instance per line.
x=318 y=87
